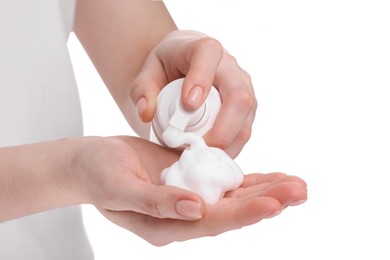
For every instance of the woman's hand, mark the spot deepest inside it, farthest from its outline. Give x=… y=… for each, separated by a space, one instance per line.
x=204 y=62
x=137 y=50
x=121 y=177
x=122 y=174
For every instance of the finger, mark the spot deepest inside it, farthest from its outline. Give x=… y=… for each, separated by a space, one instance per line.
x=258 y=178
x=237 y=214
x=218 y=219
x=163 y=201
x=238 y=109
x=259 y=189
x=146 y=87
x=229 y=122
x=204 y=58
x=273 y=177
x=288 y=193
x=243 y=136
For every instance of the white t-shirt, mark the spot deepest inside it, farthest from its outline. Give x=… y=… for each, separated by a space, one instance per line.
x=39 y=101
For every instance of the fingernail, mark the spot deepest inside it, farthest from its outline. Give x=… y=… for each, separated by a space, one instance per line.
x=189 y=209
x=195 y=96
x=274 y=214
x=297 y=202
x=141 y=106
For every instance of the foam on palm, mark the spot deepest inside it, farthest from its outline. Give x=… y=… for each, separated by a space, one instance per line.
x=207 y=171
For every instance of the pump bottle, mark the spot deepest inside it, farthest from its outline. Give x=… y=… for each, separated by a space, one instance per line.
x=171 y=112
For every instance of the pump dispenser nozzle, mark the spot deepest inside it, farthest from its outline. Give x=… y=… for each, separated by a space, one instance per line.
x=171 y=112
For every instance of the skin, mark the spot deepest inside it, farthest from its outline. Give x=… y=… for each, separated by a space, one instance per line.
x=119 y=177
x=137 y=56
x=137 y=50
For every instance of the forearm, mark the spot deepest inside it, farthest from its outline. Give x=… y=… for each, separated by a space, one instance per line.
x=118 y=35
x=35 y=178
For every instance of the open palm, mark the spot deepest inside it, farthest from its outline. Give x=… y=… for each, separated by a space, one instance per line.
x=260 y=196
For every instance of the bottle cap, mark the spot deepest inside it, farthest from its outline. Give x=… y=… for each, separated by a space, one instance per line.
x=170 y=111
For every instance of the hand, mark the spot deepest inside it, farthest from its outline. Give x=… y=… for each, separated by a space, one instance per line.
x=204 y=62
x=261 y=196
x=120 y=176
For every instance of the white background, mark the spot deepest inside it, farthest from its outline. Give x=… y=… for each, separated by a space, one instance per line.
x=321 y=72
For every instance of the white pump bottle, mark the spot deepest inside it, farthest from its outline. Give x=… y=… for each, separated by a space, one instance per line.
x=171 y=112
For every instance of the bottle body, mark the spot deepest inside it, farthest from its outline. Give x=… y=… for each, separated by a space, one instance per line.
x=170 y=112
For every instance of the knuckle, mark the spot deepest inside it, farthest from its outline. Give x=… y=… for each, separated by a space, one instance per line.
x=245 y=99
x=230 y=59
x=210 y=43
x=222 y=141
x=244 y=135
x=246 y=76
x=151 y=206
x=143 y=87
x=135 y=90
x=255 y=105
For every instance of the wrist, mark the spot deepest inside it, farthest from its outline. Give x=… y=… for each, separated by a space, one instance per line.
x=72 y=178
x=37 y=177
x=60 y=181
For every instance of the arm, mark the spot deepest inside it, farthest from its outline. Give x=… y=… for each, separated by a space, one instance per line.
x=137 y=50
x=118 y=36
x=106 y=172
x=33 y=178
x=119 y=177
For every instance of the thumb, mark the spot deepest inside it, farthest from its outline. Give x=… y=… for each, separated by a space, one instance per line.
x=146 y=87
x=164 y=201
x=144 y=95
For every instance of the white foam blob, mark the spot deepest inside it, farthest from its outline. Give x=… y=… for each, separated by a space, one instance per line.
x=207 y=171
